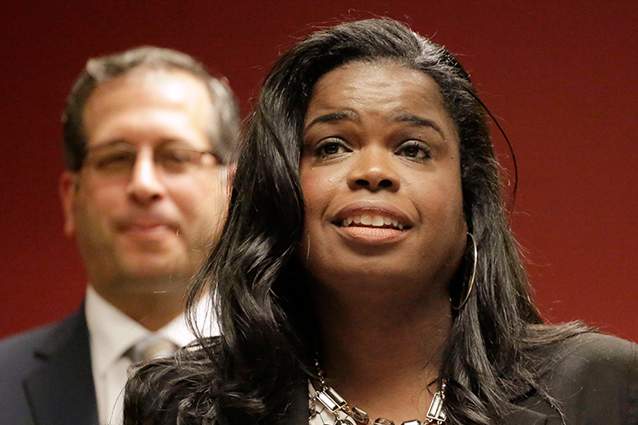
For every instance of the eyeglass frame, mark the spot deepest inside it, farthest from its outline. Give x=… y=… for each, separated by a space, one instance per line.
x=127 y=169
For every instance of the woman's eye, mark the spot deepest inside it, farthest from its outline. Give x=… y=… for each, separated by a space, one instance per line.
x=415 y=150
x=331 y=147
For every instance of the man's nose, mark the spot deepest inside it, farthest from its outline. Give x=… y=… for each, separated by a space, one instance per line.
x=373 y=170
x=145 y=185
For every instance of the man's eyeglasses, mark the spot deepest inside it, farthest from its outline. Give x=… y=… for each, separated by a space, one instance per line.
x=120 y=160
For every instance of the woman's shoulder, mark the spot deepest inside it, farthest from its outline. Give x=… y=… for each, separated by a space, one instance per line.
x=595 y=376
x=182 y=386
x=592 y=351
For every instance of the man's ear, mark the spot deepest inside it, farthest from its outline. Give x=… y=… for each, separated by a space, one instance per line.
x=67 y=189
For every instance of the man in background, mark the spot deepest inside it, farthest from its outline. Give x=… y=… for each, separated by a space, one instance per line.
x=148 y=135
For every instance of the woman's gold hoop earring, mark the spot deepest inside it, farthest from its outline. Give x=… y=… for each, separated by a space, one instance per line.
x=470 y=286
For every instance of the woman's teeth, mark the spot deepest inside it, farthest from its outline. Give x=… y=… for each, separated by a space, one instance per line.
x=372 y=221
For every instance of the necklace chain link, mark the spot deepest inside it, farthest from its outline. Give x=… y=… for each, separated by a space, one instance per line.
x=346 y=414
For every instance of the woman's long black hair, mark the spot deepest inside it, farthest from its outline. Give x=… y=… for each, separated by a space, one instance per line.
x=498 y=344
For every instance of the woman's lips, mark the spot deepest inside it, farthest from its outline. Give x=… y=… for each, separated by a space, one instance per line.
x=372 y=219
x=372 y=223
x=372 y=214
x=372 y=235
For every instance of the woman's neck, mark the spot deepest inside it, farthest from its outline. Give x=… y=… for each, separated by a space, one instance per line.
x=380 y=351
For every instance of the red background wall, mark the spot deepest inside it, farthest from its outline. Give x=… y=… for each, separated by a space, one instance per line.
x=561 y=76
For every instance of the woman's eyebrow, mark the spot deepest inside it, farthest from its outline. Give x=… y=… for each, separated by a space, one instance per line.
x=407 y=117
x=346 y=114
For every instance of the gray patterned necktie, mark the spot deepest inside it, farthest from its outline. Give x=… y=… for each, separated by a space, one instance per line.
x=150 y=348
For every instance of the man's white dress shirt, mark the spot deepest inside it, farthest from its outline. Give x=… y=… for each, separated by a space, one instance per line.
x=112 y=333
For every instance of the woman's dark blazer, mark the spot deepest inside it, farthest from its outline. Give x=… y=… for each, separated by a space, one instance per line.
x=594 y=380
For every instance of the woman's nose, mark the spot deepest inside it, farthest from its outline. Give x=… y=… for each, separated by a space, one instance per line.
x=373 y=170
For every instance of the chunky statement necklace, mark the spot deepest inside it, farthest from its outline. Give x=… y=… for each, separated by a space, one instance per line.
x=326 y=398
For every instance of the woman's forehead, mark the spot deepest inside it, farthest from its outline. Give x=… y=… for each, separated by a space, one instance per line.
x=375 y=81
x=384 y=89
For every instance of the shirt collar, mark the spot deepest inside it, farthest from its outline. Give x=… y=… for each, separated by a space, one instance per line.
x=112 y=332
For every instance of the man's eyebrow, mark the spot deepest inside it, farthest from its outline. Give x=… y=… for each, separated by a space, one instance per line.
x=172 y=141
x=417 y=121
x=123 y=143
x=111 y=143
x=333 y=116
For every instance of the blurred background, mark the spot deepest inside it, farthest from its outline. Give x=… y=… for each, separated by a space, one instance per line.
x=562 y=78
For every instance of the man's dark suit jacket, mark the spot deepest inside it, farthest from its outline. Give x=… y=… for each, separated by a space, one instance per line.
x=46 y=377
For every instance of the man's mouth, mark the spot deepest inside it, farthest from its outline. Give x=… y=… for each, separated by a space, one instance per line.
x=148 y=230
x=147 y=226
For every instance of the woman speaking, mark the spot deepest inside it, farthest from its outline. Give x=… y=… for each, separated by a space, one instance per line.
x=367 y=273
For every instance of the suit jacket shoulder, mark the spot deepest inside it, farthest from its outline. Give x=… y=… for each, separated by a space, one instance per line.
x=46 y=375
x=17 y=351
x=594 y=381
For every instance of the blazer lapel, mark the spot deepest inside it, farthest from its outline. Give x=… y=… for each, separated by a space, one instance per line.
x=297 y=412
x=62 y=391
x=524 y=416
x=530 y=408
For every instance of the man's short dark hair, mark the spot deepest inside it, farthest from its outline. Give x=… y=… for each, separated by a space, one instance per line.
x=98 y=70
